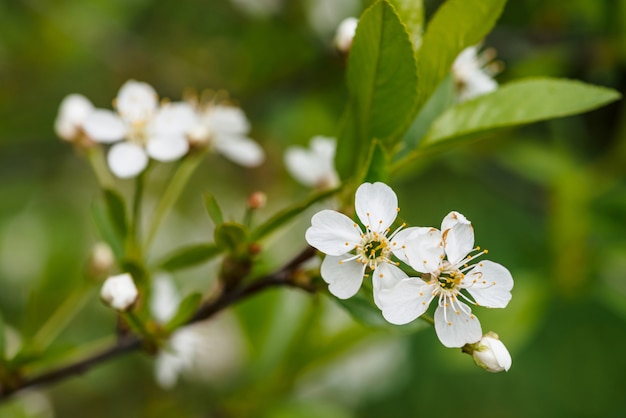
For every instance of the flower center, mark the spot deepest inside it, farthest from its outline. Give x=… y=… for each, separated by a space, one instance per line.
x=373 y=249
x=137 y=133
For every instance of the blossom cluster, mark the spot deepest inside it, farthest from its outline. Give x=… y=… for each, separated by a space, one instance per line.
x=442 y=262
x=142 y=128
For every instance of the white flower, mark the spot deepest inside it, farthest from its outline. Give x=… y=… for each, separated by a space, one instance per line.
x=337 y=235
x=73 y=111
x=444 y=257
x=144 y=129
x=345 y=34
x=314 y=167
x=473 y=73
x=119 y=292
x=225 y=129
x=491 y=354
x=211 y=349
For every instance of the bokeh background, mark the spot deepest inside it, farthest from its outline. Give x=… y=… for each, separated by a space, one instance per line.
x=548 y=200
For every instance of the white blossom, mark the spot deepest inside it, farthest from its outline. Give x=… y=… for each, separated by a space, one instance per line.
x=345 y=34
x=73 y=111
x=473 y=73
x=210 y=349
x=491 y=354
x=140 y=129
x=337 y=236
x=119 y=292
x=444 y=257
x=314 y=167
x=225 y=129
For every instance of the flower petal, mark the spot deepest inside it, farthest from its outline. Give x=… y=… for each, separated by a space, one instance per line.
x=173 y=119
x=127 y=160
x=376 y=206
x=164 y=299
x=458 y=236
x=72 y=112
x=239 y=149
x=456 y=325
x=333 y=233
x=489 y=284
x=105 y=126
x=344 y=278
x=406 y=301
x=386 y=276
x=136 y=101
x=304 y=166
x=167 y=148
x=422 y=249
x=227 y=120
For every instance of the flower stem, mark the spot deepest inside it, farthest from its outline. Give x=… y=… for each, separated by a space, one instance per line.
x=99 y=166
x=428 y=319
x=71 y=306
x=171 y=194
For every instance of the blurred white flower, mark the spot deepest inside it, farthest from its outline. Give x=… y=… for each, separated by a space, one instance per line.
x=73 y=111
x=444 y=258
x=325 y=15
x=473 y=73
x=345 y=34
x=491 y=354
x=258 y=8
x=225 y=129
x=336 y=235
x=101 y=259
x=140 y=129
x=314 y=167
x=119 y=292
x=211 y=350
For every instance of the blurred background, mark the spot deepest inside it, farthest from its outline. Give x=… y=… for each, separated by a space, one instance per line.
x=548 y=201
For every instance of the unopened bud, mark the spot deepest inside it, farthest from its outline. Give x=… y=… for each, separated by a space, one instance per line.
x=490 y=353
x=119 y=292
x=101 y=260
x=257 y=200
x=345 y=34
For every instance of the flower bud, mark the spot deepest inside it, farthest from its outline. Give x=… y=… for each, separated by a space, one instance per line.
x=119 y=292
x=101 y=260
x=257 y=200
x=345 y=34
x=490 y=353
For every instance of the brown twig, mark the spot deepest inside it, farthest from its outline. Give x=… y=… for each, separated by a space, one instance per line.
x=132 y=342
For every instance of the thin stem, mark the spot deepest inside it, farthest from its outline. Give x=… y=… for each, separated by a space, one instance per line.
x=132 y=342
x=71 y=306
x=171 y=194
x=100 y=168
x=137 y=199
x=428 y=319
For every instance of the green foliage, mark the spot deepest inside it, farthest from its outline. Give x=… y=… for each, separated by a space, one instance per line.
x=230 y=236
x=519 y=102
x=382 y=84
x=116 y=210
x=284 y=216
x=212 y=208
x=457 y=25
x=186 y=310
x=189 y=256
x=411 y=13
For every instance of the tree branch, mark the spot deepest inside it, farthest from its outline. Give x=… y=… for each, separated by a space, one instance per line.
x=132 y=342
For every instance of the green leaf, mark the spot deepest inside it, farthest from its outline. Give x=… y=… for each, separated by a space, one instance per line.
x=116 y=210
x=230 y=236
x=186 y=311
x=382 y=84
x=108 y=234
x=365 y=312
x=411 y=13
x=517 y=103
x=213 y=208
x=189 y=256
x=443 y=98
x=456 y=25
x=2 y=340
x=287 y=214
x=377 y=167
